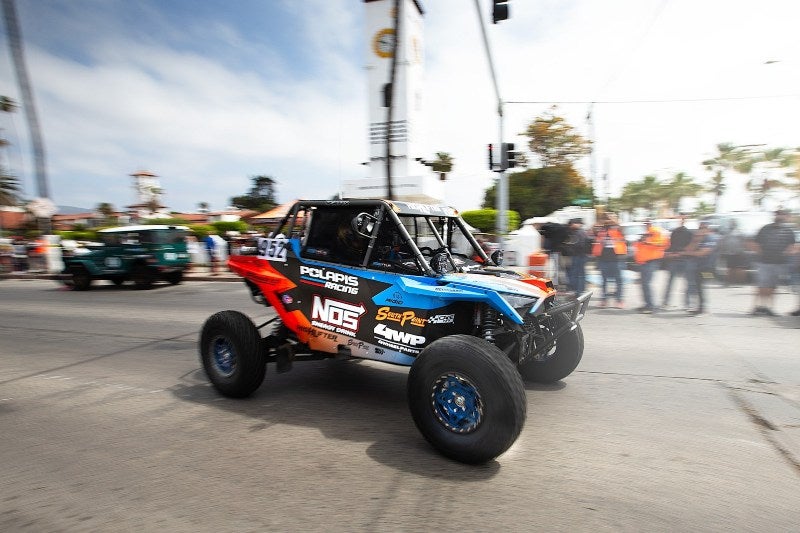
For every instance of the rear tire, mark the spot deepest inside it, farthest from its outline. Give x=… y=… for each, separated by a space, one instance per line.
x=232 y=354
x=81 y=279
x=466 y=398
x=142 y=277
x=563 y=359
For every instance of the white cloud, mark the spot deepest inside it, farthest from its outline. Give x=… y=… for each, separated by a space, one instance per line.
x=207 y=121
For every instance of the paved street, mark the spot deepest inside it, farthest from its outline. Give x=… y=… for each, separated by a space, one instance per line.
x=107 y=423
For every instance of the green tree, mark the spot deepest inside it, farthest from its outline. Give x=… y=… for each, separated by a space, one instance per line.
x=639 y=194
x=765 y=164
x=107 y=210
x=7 y=105
x=260 y=197
x=9 y=188
x=203 y=207
x=442 y=164
x=681 y=186
x=554 y=141
x=729 y=157
x=540 y=191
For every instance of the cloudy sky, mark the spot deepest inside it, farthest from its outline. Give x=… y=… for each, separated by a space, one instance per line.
x=207 y=93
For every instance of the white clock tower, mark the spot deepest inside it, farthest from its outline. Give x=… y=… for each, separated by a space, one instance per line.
x=411 y=180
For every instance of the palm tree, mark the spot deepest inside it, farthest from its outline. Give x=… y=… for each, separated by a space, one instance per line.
x=203 y=207
x=443 y=164
x=681 y=186
x=761 y=186
x=107 y=210
x=729 y=157
x=9 y=188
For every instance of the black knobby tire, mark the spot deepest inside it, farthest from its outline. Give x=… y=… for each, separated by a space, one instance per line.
x=561 y=360
x=81 y=278
x=174 y=278
x=142 y=277
x=232 y=354
x=461 y=362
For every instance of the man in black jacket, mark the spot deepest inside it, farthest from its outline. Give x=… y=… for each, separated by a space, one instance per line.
x=675 y=261
x=775 y=243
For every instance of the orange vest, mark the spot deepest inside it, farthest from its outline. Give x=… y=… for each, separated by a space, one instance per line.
x=620 y=248
x=651 y=247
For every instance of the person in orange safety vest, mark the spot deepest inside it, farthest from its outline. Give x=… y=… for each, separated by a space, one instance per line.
x=610 y=250
x=648 y=253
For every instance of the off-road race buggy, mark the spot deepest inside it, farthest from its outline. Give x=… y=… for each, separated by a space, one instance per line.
x=407 y=284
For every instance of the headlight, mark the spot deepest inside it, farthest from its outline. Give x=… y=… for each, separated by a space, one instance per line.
x=519 y=302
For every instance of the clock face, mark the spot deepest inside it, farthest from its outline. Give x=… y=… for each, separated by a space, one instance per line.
x=383 y=42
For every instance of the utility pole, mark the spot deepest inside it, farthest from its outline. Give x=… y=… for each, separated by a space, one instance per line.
x=389 y=97
x=592 y=153
x=502 y=187
x=15 y=44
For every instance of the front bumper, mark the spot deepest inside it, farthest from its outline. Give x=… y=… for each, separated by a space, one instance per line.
x=542 y=328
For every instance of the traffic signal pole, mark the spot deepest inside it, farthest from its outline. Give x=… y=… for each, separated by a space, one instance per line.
x=502 y=186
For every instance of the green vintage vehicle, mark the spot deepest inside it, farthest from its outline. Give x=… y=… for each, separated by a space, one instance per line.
x=141 y=254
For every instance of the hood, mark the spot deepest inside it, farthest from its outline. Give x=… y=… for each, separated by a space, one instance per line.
x=491 y=281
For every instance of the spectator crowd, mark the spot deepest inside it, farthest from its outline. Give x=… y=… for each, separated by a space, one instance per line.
x=690 y=256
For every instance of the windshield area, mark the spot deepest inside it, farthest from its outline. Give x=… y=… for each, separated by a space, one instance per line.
x=380 y=239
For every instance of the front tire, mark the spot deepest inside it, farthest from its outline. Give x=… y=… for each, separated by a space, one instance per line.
x=231 y=353
x=559 y=362
x=466 y=398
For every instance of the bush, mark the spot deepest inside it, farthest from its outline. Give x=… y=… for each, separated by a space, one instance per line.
x=486 y=219
x=224 y=227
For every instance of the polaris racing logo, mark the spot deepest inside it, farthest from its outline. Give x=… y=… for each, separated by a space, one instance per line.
x=336 y=316
x=329 y=279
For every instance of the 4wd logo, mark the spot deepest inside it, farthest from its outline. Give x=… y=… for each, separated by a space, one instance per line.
x=398 y=340
x=330 y=279
x=336 y=316
x=385 y=313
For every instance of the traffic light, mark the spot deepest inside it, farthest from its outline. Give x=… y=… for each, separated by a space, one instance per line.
x=491 y=158
x=499 y=11
x=508 y=157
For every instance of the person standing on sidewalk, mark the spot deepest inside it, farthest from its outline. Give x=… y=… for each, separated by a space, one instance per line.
x=213 y=255
x=774 y=243
x=699 y=255
x=648 y=254
x=610 y=250
x=576 y=247
x=676 y=262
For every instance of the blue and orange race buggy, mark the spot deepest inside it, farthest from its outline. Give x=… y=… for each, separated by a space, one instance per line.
x=407 y=284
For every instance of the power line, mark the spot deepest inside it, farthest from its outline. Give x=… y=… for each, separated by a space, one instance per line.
x=655 y=101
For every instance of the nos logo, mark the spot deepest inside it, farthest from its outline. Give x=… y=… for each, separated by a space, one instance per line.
x=336 y=313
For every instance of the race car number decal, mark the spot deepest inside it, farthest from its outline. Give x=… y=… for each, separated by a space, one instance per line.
x=272 y=249
x=113 y=262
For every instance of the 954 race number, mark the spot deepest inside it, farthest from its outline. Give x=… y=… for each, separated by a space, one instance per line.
x=272 y=249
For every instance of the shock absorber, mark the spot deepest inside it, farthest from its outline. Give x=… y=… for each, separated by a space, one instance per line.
x=489 y=323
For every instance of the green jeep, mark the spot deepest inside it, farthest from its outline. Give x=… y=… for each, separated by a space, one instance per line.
x=142 y=254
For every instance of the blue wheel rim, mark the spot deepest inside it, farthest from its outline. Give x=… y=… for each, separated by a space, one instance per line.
x=224 y=356
x=457 y=403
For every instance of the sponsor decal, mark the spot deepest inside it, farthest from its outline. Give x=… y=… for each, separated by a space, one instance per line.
x=287 y=299
x=442 y=319
x=386 y=313
x=272 y=249
x=329 y=279
x=401 y=341
x=397 y=298
x=336 y=316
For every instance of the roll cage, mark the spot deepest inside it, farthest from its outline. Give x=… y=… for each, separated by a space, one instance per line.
x=363 y=232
